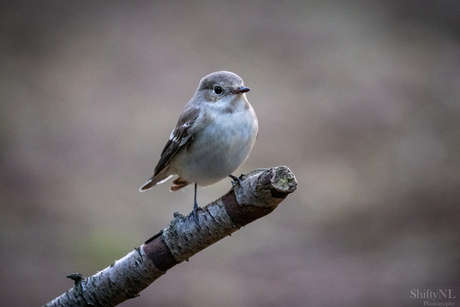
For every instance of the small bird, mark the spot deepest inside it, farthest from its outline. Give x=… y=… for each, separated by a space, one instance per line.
x=214 y=135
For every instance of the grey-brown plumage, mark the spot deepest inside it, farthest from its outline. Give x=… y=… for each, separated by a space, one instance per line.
x=213 y=136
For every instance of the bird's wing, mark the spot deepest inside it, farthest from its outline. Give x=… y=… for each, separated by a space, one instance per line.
x=181 y=136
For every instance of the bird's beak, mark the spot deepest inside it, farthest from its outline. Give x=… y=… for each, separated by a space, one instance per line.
x=242 y=90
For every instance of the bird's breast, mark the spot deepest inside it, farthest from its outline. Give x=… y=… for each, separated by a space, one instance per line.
x=220 y=145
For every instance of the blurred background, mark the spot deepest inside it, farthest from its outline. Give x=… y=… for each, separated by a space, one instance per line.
x=360 y=99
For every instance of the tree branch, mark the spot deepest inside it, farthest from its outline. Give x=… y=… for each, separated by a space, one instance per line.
x=258 y=194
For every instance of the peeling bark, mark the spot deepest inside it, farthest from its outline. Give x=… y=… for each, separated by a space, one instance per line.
x=258 y=194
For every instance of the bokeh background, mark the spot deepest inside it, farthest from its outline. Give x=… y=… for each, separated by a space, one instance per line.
x=361 y=99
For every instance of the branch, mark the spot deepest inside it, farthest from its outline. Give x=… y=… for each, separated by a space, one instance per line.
x=258 y=194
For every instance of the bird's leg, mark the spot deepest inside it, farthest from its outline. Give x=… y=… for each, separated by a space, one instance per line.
x=235 y=180
x=195 y=207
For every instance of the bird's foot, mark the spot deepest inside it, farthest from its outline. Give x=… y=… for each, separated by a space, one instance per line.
x=235 y=180
x=194 y=213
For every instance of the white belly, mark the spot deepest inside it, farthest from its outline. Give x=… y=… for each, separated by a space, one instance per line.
x=218 y=150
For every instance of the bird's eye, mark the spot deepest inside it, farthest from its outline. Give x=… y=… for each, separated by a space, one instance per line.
x=218 y=90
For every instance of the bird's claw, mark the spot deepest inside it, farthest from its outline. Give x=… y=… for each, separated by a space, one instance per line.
x=194 y=213
x=235 y=180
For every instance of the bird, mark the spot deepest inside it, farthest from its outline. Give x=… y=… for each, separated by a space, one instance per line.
x=214 y=135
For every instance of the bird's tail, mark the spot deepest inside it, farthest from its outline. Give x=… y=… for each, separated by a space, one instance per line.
x=156 y=179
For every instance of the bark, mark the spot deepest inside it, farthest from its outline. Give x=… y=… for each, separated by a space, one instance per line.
x=257 y=194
